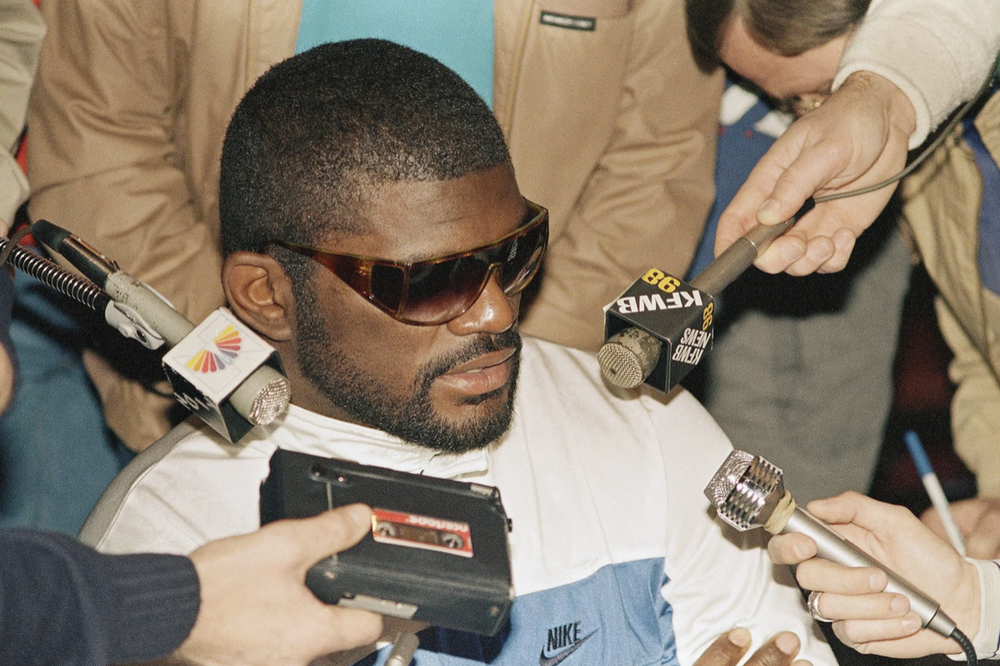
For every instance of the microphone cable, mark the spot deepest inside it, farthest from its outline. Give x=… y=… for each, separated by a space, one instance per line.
x=963 y=640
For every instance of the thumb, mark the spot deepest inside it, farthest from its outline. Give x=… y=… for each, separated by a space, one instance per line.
x=330 y=532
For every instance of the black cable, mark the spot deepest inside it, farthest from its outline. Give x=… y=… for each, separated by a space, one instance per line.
x=963 y=640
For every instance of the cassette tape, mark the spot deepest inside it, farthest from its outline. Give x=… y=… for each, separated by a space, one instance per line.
x=437 y=551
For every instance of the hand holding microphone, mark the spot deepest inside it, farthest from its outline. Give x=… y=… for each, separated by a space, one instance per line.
x=866 y=616
x=748 y=492
x=659 y=329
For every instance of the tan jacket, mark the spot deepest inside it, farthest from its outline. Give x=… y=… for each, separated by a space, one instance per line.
x=612 y=129
x=943 y=200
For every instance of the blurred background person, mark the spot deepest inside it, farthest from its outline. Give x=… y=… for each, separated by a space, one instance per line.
x=801 y=369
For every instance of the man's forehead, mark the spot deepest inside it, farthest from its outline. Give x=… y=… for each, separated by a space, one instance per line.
x=412 y=220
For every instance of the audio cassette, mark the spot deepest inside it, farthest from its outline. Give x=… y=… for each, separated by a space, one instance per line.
x=437 y=551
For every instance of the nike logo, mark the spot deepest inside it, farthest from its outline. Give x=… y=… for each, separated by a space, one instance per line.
x=559 y=657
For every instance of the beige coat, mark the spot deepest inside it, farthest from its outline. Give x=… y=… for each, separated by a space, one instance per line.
x=943 y=199
x=612 y=129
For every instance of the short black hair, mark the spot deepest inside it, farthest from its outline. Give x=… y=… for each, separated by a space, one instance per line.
x=317 y=129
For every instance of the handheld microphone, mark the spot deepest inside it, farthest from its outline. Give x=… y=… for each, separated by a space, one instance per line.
x=749 y=492
x=220 y=369
x=658 y=330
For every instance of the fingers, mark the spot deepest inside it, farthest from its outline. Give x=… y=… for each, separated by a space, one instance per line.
x=826 y=576
x=797 y=256
x=791 y=548
x=779 y=651
x=852 y=507
x=330 y=532
x=347 y=628
x=727 y=650
x=858 y=632
x=881 y=606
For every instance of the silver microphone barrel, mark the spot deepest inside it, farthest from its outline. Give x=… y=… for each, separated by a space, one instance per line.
x=833 y=547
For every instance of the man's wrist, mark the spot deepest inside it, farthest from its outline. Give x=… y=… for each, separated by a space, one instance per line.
x=898 y=107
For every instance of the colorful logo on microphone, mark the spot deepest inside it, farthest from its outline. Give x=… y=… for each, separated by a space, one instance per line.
x=223 y=351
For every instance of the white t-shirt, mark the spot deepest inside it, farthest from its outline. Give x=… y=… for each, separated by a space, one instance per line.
x=613 y=536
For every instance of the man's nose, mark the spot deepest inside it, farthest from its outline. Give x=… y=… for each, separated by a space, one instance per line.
x=493 y=312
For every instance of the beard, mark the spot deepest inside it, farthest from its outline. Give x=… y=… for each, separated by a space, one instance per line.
x=412 y=419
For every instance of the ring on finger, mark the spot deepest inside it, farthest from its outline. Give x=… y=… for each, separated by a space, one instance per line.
x=813 y=606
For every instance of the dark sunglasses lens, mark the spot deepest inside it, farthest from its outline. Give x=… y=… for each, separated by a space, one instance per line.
x=387 y=285
x=439 y=292
x=442 y=291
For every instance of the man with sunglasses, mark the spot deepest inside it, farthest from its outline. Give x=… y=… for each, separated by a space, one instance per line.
x=375 y=233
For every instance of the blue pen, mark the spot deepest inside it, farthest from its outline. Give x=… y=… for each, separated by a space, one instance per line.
x=934 y=490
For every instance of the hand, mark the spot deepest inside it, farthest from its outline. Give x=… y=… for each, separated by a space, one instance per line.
x=728 y=649
x=979 y=521
x=858 y=137
x=6 y=364
x=866 y=618
x=255 y=607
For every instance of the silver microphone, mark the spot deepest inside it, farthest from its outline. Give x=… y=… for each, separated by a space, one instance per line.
x=748 y=492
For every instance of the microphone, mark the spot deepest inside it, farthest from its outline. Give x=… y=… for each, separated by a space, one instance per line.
x=749 y=492
x=220 y=369
x=658 y=330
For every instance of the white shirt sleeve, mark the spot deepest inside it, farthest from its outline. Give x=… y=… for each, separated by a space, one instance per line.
x=938 y=52
x=21 y=32
x=987 y=639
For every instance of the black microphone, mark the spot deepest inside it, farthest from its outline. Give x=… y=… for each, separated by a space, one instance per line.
x=659 y=329
x=220 y=369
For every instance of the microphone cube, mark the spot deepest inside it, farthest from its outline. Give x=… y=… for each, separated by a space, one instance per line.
x=210 y=363
x=671 y=311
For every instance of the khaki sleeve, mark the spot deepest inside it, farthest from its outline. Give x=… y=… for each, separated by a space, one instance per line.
x=646 y=202
x=21 y=33
x=105 y=162
x=104 y=156
x=975 y=409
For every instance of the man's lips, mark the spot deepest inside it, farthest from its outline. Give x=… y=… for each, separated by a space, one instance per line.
x=482 y=374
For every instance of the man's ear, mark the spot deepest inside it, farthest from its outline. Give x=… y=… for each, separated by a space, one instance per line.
x=260 y=293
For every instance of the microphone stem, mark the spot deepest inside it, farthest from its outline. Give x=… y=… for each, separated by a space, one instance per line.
x=833 y=547
x=161 y=316
x=740 y=255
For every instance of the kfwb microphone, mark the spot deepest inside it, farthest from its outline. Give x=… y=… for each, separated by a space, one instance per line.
x=749 y=492
x=220 y=369
x=659 y=329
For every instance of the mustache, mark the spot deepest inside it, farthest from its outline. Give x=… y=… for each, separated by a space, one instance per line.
x=483 y=343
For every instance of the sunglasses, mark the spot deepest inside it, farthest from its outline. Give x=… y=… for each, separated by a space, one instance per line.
x=434 y=291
